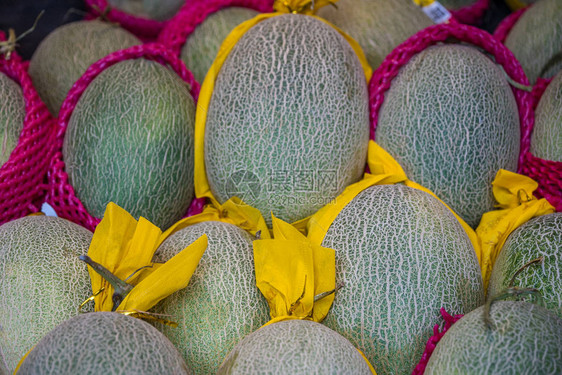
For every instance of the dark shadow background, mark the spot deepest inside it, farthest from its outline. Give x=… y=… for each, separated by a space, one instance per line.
x=20 y=15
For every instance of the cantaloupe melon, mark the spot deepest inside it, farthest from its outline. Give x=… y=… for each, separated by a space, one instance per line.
x=159 y=10
x=104 y=343
x=539 y=237
x=377 y=25
x=65 y=54
x=221 y=304
x=451 y=120
x=42 y=282
x=202 y=45
x=288 y=122
x=536 y=40
x=12 y=114
x=401 y=256
x=525 y=339
x=130 y=141
x=294 y=347
x=546 y=140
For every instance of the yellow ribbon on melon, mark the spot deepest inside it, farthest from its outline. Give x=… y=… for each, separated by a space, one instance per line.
x=202 y=187
x=517 y=205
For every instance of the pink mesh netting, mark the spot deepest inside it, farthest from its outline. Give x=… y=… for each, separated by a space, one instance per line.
x=507 y=23
x=547 y=173
x=471 y=14
x=60 y=193
x=194 y=12
x=434 y=340
x=146 y=29
x=385 y=73
x=23 y=177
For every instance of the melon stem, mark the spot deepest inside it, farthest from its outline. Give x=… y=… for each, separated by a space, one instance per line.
x=120 y=287
x=512 y=291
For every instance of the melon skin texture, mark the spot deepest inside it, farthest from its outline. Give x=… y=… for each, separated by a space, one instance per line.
x=130 y=141
x=12 y=115
x=104 y=343
x=401 y=256
x=546 y=140
x=294 y=347
x=288 y=123
x=159 y=10
x=65 y=54
x=42 y=281
x=541 y=236
x=536 y=40
x=221 y=304
x=378 y=26
x=527 y=339
x=450 y=119
x=201 y=47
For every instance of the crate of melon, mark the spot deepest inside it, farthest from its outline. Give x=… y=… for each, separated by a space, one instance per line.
x=26 y=137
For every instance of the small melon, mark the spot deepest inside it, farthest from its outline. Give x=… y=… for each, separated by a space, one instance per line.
x=65 y=54
x=159 y=10
x=546 y=141
x=221 y=304
x=294 y=347
x=536 y=39
x=12 y=115
x=104 y=343
x=451 y=120
x=288 y=123
x=401 y=255
x=525 y=339
x=42 y=282
x=377 y=25
x=539 y=237
x=130 y=141
x=201 y=47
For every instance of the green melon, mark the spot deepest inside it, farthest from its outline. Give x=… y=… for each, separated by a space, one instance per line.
x=401 y=256
x=12 y=115
x=104 y=343
x=221 y=304
x=42 y=282
x=451 y=120
x=201 y=47
x=288 y=131
x=541 y=236
x=65 y=54
x=536 y=40
x=130 y=141
x=546 y=141
x=159 y=10
x=377 y=25
x=294 y=347
x=525 y=339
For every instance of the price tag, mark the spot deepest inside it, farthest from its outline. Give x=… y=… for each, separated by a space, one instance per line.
x=434 y=10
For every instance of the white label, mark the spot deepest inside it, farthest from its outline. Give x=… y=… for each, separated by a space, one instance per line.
x=437 y=12
x=48 y=210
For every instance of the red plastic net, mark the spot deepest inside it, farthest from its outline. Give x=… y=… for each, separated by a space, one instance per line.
x=23 y=177
x=472 y=14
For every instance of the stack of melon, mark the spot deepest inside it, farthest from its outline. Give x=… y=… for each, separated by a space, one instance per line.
x=282 y=125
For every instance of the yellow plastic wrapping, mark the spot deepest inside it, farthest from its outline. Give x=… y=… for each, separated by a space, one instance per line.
x=296 y=277
x=124 y=245
x=517 y=205
x=384 y=171
x=202 y=188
